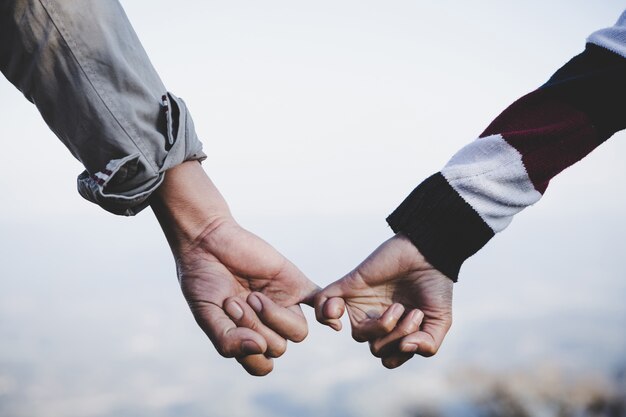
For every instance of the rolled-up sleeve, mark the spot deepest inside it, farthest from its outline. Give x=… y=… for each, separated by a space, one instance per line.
x=81 y=63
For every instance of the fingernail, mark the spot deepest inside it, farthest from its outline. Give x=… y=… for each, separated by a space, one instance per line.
x=255 y=303
x=250 y=348
x=408 y=347
x=415 y=316
x=397 y=310
x=233 y=310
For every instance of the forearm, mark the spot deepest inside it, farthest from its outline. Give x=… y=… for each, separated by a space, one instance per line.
x=457 y=211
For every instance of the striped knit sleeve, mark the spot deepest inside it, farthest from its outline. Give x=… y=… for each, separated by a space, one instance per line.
x=455 y=212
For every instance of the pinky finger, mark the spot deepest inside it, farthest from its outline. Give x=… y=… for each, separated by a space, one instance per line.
x=328 y=311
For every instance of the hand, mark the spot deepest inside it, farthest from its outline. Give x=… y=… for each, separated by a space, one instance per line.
x=395 y=300
x=244 y=295
x=242 y=292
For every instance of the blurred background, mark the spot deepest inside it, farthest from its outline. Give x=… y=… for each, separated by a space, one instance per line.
x=318 y=119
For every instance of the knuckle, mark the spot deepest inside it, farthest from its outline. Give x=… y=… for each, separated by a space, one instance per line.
x=428 y=351
x=358 y=337
x=281 y=349
x=405 y=331
x=224 y=350
x=319 y=317
x=278 y=348
x=386 y=326
x=252 y=324
x=318 y=298
x=375 y=349
x=260 y=370
x=319 y=313
x=390 y=363
x=269 y=314
x=319 y=301
x=256 y=365
x=229 y=299
x=299 y=335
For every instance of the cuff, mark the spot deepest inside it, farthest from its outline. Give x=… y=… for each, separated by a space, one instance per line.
x=125 y=185
x=445 y=228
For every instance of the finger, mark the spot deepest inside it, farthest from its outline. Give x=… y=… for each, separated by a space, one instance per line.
x=428 y=340
x=244 y=317
x=260 y=259
x=394 y=361
x=388 y=348
x=228 y=339
x=372 y=328
x=333 y=310
x=328 y=311
x=388 y=345
x=288 y=322
x=257 y=365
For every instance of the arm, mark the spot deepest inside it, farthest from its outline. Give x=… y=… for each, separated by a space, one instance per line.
x=400 y=298
x=455 y=212
x=81 y=63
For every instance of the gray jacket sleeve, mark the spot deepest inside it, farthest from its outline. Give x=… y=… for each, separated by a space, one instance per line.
x=81 y=63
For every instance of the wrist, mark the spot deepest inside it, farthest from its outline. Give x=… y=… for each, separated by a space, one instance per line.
x=188 y=205
x=441 y=224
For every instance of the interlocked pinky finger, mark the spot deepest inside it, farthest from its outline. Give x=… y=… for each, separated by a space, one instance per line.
x=328 y=310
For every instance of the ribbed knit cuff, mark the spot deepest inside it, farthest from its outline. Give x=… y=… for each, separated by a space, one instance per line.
x=444 y=228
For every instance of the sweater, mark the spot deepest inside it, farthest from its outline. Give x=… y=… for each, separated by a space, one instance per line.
x=455 y=212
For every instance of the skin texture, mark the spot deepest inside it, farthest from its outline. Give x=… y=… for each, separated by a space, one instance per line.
x=395 y=300
x=243 y=293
